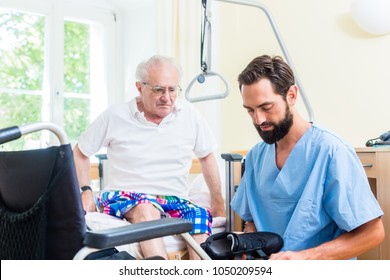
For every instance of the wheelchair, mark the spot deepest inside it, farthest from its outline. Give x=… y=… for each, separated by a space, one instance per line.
x=41 y=214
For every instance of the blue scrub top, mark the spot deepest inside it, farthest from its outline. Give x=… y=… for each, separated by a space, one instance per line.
x=321 y=191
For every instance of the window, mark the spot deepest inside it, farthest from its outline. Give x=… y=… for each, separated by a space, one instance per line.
x=53 y=69
x=21 y=70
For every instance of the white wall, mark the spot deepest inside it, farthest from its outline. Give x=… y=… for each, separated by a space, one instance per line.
x=137 y=25
x=344 y=70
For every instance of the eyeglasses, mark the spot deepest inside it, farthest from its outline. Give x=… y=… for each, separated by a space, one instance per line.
x=160 y=91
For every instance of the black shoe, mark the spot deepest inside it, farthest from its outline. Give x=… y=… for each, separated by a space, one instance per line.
x=228 y=245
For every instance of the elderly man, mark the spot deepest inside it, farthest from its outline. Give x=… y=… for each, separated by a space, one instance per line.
x=150 y=141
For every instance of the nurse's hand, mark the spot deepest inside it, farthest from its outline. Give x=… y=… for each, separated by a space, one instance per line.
x=289 y=255
x=249 y=227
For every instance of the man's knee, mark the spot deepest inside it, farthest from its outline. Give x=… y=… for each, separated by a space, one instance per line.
x=142 y=212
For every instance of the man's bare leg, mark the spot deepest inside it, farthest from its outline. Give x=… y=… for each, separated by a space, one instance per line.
x=199 y=238
x=147 y=212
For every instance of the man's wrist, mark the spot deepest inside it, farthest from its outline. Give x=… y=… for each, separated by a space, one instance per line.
x=85 y=188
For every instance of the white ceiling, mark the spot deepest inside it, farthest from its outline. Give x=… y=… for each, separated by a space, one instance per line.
x=131 y=4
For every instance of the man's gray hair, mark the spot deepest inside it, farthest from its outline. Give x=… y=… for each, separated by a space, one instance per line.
x=142 y=74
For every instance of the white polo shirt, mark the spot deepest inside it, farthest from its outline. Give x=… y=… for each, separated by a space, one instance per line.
x=146 y=157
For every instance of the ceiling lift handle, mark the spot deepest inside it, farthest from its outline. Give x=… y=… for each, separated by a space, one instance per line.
x=205 y=63
x=201 y=78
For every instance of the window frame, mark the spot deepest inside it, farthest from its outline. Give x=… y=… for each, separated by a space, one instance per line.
x=56 y=13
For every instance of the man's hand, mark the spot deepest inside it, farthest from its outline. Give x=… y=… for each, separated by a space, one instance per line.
x=88 y=201
x=210 y=172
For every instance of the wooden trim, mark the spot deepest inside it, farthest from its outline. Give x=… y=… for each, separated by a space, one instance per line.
x=94 y=171
x=195 y=167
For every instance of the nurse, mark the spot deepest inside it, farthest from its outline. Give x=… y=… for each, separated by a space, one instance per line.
x=302 y=181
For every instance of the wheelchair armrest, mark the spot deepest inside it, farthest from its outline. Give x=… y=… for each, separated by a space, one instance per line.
x=232 y=157
x=231 y=162
x=10 y=133
x=101 y=156
x=107 y=238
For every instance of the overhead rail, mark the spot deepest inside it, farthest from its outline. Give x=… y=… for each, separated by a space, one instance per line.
x=275 y=30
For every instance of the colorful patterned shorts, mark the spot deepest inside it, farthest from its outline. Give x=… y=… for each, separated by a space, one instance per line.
x=117 y=203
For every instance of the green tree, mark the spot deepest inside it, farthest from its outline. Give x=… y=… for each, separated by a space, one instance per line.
x=22 y=50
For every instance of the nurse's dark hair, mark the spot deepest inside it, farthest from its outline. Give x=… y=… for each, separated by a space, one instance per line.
x=275 y=69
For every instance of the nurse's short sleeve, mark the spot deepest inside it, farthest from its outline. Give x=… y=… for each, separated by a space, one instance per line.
x=348 y=198
x=239 y=202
